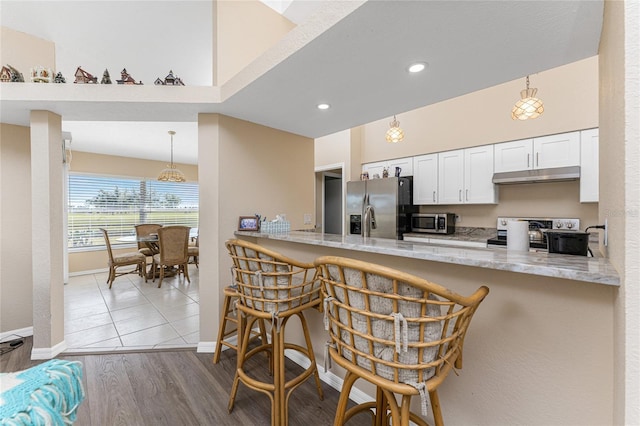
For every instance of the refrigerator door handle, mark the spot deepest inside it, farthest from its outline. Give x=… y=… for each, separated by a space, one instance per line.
x=369 y=220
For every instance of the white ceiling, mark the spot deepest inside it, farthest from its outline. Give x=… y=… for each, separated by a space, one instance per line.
x=355 y=61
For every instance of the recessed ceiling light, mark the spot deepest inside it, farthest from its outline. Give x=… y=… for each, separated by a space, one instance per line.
x=417 y=67
x=323 y=106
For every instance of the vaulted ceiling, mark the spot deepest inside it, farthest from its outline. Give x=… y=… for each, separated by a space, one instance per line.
x=352 y=55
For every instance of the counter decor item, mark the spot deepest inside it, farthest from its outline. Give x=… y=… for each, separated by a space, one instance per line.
x=59 y=78
x=248 y=223
x=364 y=176
x=106 y=77
x=127 y=79
x=385 y=172
x=518 y=235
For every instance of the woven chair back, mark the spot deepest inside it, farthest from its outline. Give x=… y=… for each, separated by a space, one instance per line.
x=108 y=244
x=174 y=244
x=394 y=325
x=144 y=230
x=269 y=282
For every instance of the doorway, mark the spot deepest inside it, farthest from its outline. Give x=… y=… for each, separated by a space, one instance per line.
x=330 y=199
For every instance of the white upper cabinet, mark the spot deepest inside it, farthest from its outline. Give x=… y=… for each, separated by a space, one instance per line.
x=589 y=166
x=405 y=164
x=377 y=168
x=425 y=179
x=478 y=176
x=513 y=156
x=451 y=177
x=559 y=150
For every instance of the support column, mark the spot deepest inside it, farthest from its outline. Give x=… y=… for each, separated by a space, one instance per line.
x=211 y=245
x=47 y=235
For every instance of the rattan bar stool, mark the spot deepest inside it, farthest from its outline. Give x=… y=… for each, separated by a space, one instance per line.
x=273 y=288
x=229 y=316
x=397 y=331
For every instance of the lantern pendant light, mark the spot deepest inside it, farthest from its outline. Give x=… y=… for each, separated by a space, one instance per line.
x=528 y=106
x=395 y=134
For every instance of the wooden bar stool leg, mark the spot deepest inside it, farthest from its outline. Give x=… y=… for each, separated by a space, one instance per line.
x=226 y=311
x=435 y=406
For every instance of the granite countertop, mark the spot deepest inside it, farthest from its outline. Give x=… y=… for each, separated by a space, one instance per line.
x=464 y=237
x=580 y=268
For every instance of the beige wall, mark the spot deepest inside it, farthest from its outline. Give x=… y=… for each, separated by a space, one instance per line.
x=24 y=51
x=16 y=286
x=620 y=192
x=570 y=95
x=249 y=170
x=85 y=162
x=244 y=30
x=532 y=355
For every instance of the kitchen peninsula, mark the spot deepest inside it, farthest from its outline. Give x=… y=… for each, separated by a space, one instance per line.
x=579 y=268
x=537 y=326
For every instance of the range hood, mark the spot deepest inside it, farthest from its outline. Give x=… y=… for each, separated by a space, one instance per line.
x=537 y=176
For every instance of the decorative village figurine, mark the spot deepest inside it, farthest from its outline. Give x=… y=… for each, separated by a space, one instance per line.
x=83 y=77
x=385 y=172
x=59 y=78
x=40 y=74
x=127 y=79
x=169 y=80
x=10 y=74
x=106 y=78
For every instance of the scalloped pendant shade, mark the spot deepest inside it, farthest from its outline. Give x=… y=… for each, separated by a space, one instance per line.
x=171 y=173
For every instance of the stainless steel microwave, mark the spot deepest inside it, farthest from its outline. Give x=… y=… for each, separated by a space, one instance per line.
x=433 y=223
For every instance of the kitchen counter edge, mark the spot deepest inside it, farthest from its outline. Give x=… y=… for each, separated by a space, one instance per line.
x=596 y=270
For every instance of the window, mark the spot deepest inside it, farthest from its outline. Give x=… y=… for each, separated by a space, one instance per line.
x=118 y=204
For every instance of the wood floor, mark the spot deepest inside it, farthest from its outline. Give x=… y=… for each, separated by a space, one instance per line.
x=180 y=387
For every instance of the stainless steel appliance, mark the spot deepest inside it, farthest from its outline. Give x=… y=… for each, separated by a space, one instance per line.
x=537 y=230
x=433 y=223
x=380 y=208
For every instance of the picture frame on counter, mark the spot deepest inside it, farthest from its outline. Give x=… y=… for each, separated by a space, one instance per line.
x=248 y=223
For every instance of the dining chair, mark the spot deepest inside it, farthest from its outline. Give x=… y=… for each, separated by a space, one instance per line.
x=194 y=251
x=397 y=331
x=173 y=242
x=144 y=230
x=273 y=288
x=124 y=259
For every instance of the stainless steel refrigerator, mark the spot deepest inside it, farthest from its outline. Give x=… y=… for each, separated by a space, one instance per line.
x=380 y=208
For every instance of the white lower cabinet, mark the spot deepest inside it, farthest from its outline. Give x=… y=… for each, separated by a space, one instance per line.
x=589 y=166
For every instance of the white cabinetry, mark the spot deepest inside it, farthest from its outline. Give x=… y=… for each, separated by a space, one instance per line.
x=589 y=166
x=478 y=176
x=425 y=179
x=559 y=150
x=465 y=176
x=455 y=177
x=450 y=177
x=405 y=164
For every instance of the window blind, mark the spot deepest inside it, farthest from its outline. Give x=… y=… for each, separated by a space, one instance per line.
x=118 y=204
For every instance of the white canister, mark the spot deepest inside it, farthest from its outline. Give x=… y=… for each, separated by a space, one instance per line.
x=518 y=235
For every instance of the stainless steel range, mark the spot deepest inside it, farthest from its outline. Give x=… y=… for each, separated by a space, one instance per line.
x=537 y=226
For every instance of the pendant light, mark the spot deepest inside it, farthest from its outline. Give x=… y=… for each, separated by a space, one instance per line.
x=171 y=173
x=395 y=134
x=528 y=106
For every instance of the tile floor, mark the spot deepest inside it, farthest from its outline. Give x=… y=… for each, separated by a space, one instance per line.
x=132 y=315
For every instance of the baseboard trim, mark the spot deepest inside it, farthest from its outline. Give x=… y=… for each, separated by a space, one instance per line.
x=48 y=353
x=206 y=347
x=14 y=334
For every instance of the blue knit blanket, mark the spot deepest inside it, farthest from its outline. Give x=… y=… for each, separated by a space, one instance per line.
x=47 y=394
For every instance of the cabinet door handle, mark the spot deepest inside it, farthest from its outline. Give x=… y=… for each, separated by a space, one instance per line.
x=466 y=194
x=459 y=194
x=537 y=158
x=528 y=155
x=434 y=196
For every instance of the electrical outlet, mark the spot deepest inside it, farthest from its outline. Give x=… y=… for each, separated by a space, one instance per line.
x=458 y=218
x=307 y=218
